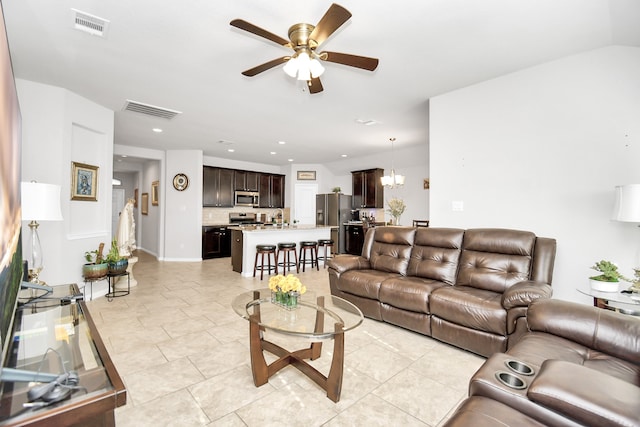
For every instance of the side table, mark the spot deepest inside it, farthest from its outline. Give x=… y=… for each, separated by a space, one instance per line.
x=90 y=283
x=112 y=292
x=616 y=301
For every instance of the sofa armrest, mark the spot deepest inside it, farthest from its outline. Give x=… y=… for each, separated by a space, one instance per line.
x=586 y=395
x=522 y=293
x=342 y=263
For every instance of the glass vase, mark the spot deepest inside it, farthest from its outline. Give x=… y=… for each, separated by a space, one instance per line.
x=287 y=300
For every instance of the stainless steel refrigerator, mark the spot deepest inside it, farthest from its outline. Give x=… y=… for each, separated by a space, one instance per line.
x=334 y=209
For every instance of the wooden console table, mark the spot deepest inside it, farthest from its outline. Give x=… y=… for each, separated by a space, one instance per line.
x=70 y=331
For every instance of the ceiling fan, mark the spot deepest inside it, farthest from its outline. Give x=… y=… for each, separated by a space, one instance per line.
x=304 y=39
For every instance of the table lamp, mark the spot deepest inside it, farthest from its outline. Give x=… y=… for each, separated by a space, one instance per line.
x=627 y=207
x=40 y=202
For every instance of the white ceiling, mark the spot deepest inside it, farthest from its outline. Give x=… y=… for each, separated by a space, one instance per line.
x=184 y=55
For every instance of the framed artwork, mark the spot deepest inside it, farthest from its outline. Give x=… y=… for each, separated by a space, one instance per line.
x=154 y=193
x=425 y=184
x=306 y=175
x=84 y=182
x=135 y=198
x=144 y=202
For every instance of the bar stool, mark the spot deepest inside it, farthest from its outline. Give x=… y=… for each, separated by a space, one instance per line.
x=262 y=250
x=312 y=247
x=327 y=245
x=286 y=263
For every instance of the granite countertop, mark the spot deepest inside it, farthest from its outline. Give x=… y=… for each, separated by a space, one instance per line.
x=271 y=228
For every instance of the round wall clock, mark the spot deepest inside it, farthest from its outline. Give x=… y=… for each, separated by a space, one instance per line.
x=180 y=182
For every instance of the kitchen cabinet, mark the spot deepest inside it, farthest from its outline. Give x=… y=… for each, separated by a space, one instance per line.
x=246 y=181
x=271 y=189
x=367 y=189
x=354 y=239
x=217 y=187
x=216 y=242
x=237 y=242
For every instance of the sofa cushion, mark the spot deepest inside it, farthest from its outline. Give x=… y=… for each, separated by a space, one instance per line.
x=495 y=259
x=408 y=293
x=436 y=253
x=471 y=307
x=364 y=283
x=479 y=411
x=391 y=249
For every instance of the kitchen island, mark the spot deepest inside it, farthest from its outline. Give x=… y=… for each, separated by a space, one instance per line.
x=245 y=238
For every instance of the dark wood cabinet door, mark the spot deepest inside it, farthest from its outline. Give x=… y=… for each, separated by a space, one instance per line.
x=225 y=188
x=373 y=197
x=211 y=242
x=357 y=185
x=209 y=186
x=251 y=181
x=240 y=178
x=354 y=239
x=277 y=191
x=264 y=190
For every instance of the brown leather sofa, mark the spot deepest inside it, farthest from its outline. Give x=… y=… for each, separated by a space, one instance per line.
x=467 y=288
x=585 y=371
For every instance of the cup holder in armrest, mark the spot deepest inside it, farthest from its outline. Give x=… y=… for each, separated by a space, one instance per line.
x=519 y=367
x=511 y=380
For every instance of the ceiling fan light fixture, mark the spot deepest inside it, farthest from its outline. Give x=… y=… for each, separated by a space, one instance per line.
x=316 y=68
x=291 y=67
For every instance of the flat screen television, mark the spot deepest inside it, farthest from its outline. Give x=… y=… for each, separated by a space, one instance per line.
x=10 y=176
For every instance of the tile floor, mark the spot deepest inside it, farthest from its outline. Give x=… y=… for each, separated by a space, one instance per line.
x=183 y=354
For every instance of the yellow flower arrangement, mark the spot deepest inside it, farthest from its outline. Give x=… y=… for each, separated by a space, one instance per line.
x=290 y=283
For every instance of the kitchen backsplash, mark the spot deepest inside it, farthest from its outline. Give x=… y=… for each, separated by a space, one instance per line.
x=219 y=216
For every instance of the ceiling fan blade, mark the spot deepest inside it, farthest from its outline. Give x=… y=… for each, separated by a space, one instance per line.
x=264 y=67
x=314 y=85
x=363 y=62
x=331 y=21
x=244 y=25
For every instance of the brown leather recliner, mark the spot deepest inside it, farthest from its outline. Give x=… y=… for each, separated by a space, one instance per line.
x=584 y=370
x=468 y=288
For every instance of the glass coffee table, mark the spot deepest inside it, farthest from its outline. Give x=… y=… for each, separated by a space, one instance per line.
x=316 y=319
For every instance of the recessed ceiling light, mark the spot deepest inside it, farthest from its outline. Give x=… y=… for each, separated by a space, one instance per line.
x=231 y=150
x=291 y=160
x=343 y=155
x=272 y=153
x=157 y=130
x=281 y=142
x=124 y=156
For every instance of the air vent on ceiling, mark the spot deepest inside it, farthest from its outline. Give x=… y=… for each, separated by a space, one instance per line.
x=150 y=110
x=88 y=23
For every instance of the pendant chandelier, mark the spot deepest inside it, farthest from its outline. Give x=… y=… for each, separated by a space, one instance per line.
x=392 y=180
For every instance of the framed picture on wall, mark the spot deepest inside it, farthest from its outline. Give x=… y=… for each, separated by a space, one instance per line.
x=135 y=198
x=154 y=193
x=144 y=202
x=84 y=182
x=306 y=175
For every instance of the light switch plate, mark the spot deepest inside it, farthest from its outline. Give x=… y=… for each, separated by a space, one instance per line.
x=457 y=206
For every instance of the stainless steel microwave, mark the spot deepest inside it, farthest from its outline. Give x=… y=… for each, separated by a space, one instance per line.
x=247 y=198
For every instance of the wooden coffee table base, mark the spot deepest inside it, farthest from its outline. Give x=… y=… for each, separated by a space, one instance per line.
x=332 y=383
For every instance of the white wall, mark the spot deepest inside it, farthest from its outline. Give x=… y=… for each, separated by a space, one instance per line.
x=59 y=127
x=542 y=150
x=183 y=218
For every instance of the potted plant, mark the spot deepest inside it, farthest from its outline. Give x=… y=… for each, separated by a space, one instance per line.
x=96 y=266
x=609 y=277
x=117 y=264
x=337 y=190
x=396 y=208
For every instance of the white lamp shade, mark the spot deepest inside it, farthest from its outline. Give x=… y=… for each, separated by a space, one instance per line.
x=291 y=67
x=627 y=204
x=40 y=202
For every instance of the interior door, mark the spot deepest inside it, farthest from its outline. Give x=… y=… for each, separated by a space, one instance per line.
x=305 y=203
